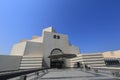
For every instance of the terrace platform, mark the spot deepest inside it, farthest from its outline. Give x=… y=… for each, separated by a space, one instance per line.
x=76 y=74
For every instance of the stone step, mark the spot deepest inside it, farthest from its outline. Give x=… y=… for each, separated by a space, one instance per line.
x=26 y=62
x=31 y=64
x=30 y=67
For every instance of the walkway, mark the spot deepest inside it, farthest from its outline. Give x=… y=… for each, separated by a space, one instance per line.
x=75 y=74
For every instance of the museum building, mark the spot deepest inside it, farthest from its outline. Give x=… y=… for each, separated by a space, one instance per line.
x=50 y=50
x=54 y=50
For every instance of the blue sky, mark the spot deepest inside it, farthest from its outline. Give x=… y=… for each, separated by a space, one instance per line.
x=92 y=25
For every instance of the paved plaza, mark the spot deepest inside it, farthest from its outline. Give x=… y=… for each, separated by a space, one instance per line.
x=75 y=74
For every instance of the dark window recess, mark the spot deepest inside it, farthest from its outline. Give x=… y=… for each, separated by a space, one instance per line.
x=112 y=62
x=58 y=37
x=54 y=36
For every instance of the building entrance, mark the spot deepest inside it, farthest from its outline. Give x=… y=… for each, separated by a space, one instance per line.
x=56 y=61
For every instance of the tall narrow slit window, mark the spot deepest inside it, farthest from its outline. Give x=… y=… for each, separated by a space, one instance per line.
x=54 y=36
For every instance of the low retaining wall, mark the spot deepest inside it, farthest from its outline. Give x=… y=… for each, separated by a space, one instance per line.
x=8 y=63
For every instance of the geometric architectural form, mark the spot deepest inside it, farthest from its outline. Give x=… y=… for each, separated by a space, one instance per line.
x=54 y=50
x=50 y=50
x=28 y=62
x=90 y=60
x=111 y=54
x=112 y=58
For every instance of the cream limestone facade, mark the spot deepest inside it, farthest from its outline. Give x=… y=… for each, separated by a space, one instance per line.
x=111 y=54
x=90 y=60
x=53 y=50
x=43 y=47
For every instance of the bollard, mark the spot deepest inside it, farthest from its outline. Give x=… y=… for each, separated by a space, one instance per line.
x=23 y=77
x=37 y=73
x=96 y=70
x=116 y=74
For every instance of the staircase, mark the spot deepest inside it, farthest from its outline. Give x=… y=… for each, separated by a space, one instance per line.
x=29 y=62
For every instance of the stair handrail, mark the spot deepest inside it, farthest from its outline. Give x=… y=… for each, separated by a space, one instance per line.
x=20 y=73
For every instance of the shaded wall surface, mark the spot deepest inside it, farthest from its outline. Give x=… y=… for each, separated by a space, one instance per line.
x=9 y=62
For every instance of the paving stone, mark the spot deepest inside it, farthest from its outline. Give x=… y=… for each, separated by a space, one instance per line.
x=75 y=74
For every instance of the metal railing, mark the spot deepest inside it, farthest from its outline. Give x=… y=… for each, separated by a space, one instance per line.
x=115 y=71
x=22 y=74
